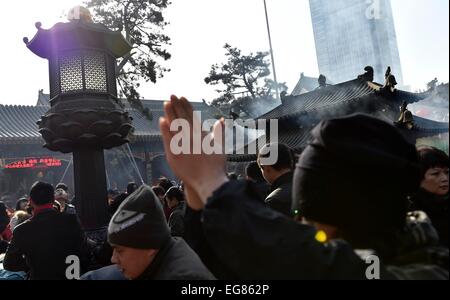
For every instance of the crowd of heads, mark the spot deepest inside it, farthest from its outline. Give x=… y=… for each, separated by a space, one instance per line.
x=355 y=181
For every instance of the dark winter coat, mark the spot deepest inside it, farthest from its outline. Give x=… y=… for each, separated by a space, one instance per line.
x=437 y=210
x=177 y=261
x=261 y=244
x=280 y=197
x=195 y=238
x=176 y=220
x=42 y=244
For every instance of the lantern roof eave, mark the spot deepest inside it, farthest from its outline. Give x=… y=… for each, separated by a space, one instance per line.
x=45 y=42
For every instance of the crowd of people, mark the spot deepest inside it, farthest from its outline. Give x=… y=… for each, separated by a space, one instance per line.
x=359 y=189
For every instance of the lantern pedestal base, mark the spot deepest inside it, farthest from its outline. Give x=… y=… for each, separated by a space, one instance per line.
x=90 y=188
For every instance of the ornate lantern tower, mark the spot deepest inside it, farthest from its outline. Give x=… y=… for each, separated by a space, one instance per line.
x=85 y=116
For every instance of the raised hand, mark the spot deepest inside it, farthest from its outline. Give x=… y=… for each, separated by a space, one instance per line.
x=201 y=173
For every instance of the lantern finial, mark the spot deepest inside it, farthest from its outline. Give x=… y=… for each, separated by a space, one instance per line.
x=79 y=13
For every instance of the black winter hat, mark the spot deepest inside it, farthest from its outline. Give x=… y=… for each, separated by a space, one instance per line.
x=356 y=174
x=139 y=222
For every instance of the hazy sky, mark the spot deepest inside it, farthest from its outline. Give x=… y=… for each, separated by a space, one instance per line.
x=200 y=28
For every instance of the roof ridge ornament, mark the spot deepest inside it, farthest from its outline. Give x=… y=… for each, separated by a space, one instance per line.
x=391 y=82
x=322 y=82
x=369 y=75
x=406 y=119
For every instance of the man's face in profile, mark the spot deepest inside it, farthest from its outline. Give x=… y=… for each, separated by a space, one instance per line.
x=132 y=262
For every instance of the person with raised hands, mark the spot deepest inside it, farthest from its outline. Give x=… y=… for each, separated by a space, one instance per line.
x=350 y=191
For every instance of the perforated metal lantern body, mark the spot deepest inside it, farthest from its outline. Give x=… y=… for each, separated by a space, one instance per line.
x=89 y=72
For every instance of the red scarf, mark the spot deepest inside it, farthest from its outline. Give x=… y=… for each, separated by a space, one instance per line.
x=41 y=208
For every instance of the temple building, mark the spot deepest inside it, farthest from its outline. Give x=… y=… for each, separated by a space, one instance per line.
x=300 y=112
